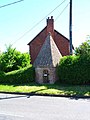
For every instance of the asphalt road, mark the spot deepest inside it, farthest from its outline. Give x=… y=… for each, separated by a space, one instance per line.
x=21 y=107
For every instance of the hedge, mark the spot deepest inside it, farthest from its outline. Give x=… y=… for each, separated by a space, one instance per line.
x=22 y=76
x=74 y=70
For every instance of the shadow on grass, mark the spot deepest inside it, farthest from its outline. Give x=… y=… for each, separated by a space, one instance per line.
x=24 y=84
x=71 y=91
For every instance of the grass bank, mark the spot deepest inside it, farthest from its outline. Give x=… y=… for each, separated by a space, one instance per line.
x=48 y=89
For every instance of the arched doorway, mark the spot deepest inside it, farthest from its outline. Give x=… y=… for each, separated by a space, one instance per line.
x=45 y=76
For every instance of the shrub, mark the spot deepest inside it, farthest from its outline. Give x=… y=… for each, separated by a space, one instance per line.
x=22 y=76
x=74 y=70
x=13 y=60
x=2 y=75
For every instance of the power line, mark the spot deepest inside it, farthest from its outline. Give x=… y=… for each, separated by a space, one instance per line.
x=38 y=22
x=11 y=3
x=62 y=12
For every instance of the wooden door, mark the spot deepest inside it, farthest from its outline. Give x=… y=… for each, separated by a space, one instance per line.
x=45 y=76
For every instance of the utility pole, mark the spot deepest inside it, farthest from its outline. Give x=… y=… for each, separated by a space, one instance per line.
x=70 y=28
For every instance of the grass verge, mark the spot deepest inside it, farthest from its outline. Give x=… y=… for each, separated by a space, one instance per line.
x=48 y=89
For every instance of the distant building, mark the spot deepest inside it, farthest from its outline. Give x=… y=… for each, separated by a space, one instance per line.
x=46 y=49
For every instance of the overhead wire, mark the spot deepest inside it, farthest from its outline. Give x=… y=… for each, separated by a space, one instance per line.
x=62 y=12
x=38 y=22
x=11 y=3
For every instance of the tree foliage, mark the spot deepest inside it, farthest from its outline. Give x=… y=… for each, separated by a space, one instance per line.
x=83 y=49
x=12 y=59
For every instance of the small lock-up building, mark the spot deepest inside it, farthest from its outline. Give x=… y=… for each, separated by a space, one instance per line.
x=46 y=50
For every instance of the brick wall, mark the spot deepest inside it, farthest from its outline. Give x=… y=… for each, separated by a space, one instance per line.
x=62 y=43
x=36 y=44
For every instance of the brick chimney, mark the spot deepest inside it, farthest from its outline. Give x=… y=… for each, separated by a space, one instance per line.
x=50 y=26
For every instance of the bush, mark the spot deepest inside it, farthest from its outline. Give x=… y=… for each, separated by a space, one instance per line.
x=22 y=76
x=2 y=75
x=13 y=60
x=74 y=70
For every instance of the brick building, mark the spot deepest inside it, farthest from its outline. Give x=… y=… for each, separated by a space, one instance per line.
x=46 y=49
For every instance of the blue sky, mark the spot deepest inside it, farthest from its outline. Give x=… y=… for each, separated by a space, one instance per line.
x=17 y=19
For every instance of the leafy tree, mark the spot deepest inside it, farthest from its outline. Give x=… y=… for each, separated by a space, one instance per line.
x=12 y=59
x=83 y=49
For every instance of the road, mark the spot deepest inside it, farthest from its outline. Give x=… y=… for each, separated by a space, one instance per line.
x=22 y=107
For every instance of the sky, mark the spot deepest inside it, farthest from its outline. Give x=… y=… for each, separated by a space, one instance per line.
x=21 y=22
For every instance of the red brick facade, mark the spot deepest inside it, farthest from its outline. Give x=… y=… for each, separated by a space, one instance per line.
x=61 y=41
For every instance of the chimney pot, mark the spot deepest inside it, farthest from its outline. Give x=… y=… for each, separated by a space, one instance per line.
x=51 y=17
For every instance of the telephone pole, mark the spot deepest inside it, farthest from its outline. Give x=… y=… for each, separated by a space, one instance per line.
x=70 y=28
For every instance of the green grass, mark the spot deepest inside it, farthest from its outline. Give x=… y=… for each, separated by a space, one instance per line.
x=48 y=89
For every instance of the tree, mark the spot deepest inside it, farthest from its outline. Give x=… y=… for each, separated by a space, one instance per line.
x=12 y=59
x=83 y=49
